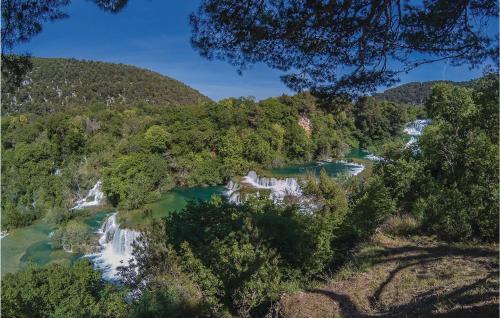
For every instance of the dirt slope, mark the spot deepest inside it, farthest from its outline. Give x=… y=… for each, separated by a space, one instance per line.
x=398 y=277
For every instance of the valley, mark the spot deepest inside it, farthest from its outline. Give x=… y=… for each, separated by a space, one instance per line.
x=242 y=207
x=112 y=237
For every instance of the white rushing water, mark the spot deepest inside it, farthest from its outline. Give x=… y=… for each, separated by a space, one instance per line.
x=415 y=130
x=115 y=248
x=353 y=168
x=373 y=157
x=94 y=197
x=279 y=188
x=233 y=192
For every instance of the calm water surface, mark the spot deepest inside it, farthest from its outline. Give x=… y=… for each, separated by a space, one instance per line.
x=32 y=243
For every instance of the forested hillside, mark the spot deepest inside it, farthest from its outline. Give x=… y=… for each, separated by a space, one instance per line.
x=414 y=93
x=258 y=258
x=56 y=84
x=142 y=151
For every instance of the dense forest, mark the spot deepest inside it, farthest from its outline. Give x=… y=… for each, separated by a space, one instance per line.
x=57 y=84
x=141 y=151
x=126 y=193
x=414 y=93
x=219 y=259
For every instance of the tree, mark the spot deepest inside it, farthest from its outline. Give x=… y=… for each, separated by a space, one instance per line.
x=135 y=179
x=344 y=47
x=451 y=183
x=230 y=145
x=378 y=120
x=24 y=19
x=296 y=141
x=460 y=149
x=61 y=291
x=157 y=138
x=257 y=149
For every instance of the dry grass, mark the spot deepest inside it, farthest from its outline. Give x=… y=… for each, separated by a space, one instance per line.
x=406 y=277
x=400 y=225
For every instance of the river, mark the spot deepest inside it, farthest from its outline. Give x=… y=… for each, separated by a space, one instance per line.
x=32 y=243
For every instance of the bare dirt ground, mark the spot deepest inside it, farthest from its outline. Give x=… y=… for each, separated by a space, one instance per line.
x=406 y=277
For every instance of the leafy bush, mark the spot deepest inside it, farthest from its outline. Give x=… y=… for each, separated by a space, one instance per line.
x=451 y=183
x=241 y=257
x=61 y=291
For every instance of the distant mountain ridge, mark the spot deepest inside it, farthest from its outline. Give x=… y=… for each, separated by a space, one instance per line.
x=57 y=83
x=414 y=93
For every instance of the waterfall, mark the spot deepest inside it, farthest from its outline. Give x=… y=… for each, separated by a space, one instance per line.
x=353 y=168
x=94 y=197
x=232 y=193
x=373 y=157
x=280 y=188
x=415 y=129
x=115 y=247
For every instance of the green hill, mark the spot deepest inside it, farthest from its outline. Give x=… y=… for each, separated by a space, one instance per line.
x=414 y=93
x=55 y=84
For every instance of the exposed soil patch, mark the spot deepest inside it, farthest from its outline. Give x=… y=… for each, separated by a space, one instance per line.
x=305 y=123
x=400 y=277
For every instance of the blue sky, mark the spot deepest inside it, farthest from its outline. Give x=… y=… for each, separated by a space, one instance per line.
x=155 y=34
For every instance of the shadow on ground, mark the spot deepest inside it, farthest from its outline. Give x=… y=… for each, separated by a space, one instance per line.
x=462 y=282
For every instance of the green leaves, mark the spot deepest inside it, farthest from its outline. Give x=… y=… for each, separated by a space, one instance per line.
x=452 y=184
x=61 y=291
x=135 y=179
x=157 y=138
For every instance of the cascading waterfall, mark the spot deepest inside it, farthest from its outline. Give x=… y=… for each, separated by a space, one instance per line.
x=115 y=247
x=94 y=197
x=373 y=157
x=279 y=188
x=415 y=130
x=232 y=192
x=353 y=168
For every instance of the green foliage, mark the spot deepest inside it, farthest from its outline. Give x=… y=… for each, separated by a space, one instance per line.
x=296 y=141
x=135 y=179
x=61 y=291
x=33 y=187
x=375 y=204
x=240 y=257
x=257 y=149
x=230 y=145
x=378 y=120
x=74 y=83
x=451 y=183
x=73 y=236
x=157 y=138
x=57 y=215
x=179 y=298
x=139 y=150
